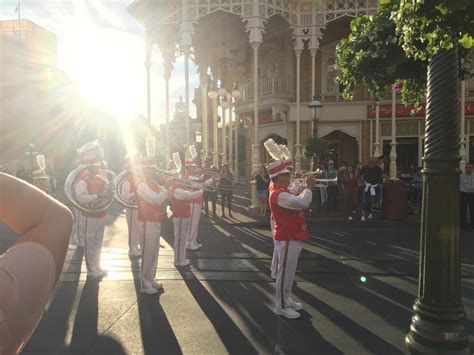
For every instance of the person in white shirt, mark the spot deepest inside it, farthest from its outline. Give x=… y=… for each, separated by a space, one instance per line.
x=467 y=196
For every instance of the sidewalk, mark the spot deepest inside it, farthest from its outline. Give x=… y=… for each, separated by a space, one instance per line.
x=224 y=303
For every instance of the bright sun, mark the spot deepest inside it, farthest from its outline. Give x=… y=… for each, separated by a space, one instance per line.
x=107 y=66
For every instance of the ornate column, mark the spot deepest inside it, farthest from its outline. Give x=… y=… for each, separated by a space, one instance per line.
x=313 y=84
x=148 y=49
x=205 y=128
x=186 y=93
x=377 y=132
x=255 y=25
x=167 y=76
x=255 y=143
x=231 y=160
x=298 y=50
x=436 y=326
x=236 y=160
x=393 y=143
x=223 y=130
x=463 y=153
x=215 y=158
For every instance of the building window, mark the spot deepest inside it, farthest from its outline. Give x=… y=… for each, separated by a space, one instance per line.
x=331 y=84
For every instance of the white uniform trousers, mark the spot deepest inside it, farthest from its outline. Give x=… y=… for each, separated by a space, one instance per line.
x=194 y=223
x=181 y=226
x=274 y=267
x=288 y=253
x=134 y=230
x=150 y=244
x=93 y=237
x=78 y=229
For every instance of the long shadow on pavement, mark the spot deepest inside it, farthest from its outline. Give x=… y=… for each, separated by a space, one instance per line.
x=232 y=337
x=156 y=331
x=50 y=335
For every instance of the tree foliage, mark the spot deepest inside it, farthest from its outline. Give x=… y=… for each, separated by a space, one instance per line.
x=397 y=43
x=316 y=148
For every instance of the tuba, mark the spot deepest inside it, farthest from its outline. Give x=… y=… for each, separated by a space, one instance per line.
x=100 y=204
x=118 y=183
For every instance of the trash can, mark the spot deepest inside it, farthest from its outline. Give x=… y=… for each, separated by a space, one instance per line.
x=395 y=200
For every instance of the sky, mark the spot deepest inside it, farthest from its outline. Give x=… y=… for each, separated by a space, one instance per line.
x=102 y=48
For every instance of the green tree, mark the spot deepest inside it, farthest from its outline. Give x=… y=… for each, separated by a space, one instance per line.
x=316 y=148
x=397 y=43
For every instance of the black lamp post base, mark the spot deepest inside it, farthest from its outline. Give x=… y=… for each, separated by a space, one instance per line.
x=436 y=330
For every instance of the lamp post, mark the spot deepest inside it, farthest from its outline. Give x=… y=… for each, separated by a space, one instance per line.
x=436 y=326
x=315 y=107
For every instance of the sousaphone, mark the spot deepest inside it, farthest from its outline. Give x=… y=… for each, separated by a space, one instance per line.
x=98 y=205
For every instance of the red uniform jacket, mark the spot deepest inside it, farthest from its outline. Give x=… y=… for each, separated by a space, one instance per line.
x=289 y=224
x=148 y=212
x=95 y=185
x=181 y=208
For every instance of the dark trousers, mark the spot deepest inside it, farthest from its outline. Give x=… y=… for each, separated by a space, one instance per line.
x=467 y=201
x=210 y=195
x=226 y=196
x=369 y=201
x=332 y=198
x=351 y=202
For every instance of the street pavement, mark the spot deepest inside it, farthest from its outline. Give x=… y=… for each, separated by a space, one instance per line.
x=224 y=302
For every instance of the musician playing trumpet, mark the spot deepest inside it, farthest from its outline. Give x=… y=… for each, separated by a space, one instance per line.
x=92 y=185
x=289 y=231
x=181 y=199
x=151 y=199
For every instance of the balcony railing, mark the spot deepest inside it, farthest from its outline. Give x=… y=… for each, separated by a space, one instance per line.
x=268 y=86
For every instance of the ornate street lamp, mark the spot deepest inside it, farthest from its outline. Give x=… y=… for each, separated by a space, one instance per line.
x=315 y=107
x=436 y=327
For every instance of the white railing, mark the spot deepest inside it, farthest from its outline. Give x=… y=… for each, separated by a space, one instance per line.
x=268 y=86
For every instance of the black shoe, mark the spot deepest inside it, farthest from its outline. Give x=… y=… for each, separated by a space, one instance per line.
x=230 y=215
x=223 y=215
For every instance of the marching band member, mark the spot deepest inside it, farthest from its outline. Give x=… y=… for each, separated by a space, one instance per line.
x=151 y=199
x=128 y=192
x=289 y=231
x=196 y=204
x=295 y=188
x=181 y=201
x=91 y=186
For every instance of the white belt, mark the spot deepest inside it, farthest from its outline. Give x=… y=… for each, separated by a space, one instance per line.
x=371 y=187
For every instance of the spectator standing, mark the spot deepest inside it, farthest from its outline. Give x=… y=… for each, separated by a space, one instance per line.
x=225 y=189
x=360 y=183
x=332 y=187
x=417 y=184
x=324 y=185
x=467 y=196
x=372 y=175
x=349 y=181
x=263 y=180
x=210 y=193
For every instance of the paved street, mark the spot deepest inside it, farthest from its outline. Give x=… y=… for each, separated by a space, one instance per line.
x=224 y=303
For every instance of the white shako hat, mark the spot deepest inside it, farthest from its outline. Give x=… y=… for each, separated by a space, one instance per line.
x=89 y=154
x=276 y=168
